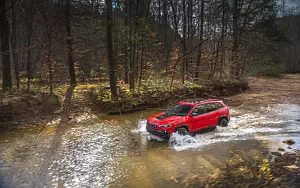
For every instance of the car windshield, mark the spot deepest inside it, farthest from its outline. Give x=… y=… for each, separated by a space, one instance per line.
x=179 y=110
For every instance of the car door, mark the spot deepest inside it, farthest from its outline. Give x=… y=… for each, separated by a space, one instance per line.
x=212 y=115
x=198 y=119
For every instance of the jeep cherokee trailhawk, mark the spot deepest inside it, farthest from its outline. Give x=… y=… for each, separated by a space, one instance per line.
x=189 y=116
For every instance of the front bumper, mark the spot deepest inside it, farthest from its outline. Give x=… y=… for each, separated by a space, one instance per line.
x=160 y=133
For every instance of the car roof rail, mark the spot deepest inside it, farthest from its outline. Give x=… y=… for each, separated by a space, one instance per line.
x=200 y=100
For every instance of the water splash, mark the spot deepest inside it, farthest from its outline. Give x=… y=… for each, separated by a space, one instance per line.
x=282 y=118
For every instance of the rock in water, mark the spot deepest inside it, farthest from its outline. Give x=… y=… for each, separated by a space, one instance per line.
x=281 y=149
x=276 y=154
x=235 y=126
x=289 y=157
x=289 y=141
x=292 y=166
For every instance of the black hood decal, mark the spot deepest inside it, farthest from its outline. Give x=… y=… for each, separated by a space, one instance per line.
x=164 y=116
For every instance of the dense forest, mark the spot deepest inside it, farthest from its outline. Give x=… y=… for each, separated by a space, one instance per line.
x=140 y=43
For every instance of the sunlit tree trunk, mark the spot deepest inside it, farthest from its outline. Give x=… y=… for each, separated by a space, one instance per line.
x=70 y=46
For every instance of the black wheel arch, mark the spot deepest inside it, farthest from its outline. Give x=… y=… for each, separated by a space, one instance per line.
x=222 y=117
x=182 y=126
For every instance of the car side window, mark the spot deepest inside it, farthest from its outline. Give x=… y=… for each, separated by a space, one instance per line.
x=219 y=106
x=211 y=107
x=199 y=110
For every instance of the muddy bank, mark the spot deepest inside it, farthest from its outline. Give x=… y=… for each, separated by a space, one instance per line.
x=16 y=110
x=162 y=98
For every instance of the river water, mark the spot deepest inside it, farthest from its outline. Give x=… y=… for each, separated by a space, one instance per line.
x=116 y=150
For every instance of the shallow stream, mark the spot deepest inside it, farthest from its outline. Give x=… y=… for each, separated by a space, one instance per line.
x=116 y=150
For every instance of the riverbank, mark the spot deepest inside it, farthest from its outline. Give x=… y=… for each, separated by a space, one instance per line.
x=20 y=108
x=275 y=170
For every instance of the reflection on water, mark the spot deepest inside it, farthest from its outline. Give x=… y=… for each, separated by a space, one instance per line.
x=116 y=151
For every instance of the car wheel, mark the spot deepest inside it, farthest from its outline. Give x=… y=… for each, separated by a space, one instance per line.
x=223 y=123
x=182 y=131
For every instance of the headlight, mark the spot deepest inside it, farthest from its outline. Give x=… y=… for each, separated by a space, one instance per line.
x=166 y=125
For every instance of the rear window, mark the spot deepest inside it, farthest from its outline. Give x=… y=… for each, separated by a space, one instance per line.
x=213 y=107
x=219 y=105
x=179 y=110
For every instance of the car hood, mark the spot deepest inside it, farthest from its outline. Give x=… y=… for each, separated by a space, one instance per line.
x=164 y=118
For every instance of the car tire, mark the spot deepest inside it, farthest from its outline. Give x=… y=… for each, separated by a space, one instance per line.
x=223 y=122
x=182 y=131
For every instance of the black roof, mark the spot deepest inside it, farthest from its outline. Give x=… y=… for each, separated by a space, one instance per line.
x=199 y=100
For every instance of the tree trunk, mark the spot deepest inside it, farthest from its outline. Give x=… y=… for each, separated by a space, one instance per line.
x=4 y=35
x=200 y=39
x=69 y=46
x=166 y=49
x=131 y=62
x=175 y=19
x=141 y=67
x=50 y=67
x=214 y=66
x=110 y=53
x=14 y=45
x=29 y=30
x=184 y=42
x=127 y=59
x=235 y=33
x=222 y=40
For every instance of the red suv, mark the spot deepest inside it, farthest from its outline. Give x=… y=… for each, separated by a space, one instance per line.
x=189 y=116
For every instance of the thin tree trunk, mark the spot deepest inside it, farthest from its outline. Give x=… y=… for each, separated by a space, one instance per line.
x=111 y=62
x=184 y=42
x=69 y=45
x=14 y=45
x=141 y=67
x=131 y=63
x=216 y=62
x=127 y=59
x=50 y=67
x=235 y=39
x=136 y=33
x=200 y=39
x=222 y=40
x=29 y=31
x=166 y=50
x=175 y=19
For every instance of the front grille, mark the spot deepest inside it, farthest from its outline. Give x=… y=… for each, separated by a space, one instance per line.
x=153 y=125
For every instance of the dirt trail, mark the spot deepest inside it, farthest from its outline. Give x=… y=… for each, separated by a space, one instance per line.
x=285 y=89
